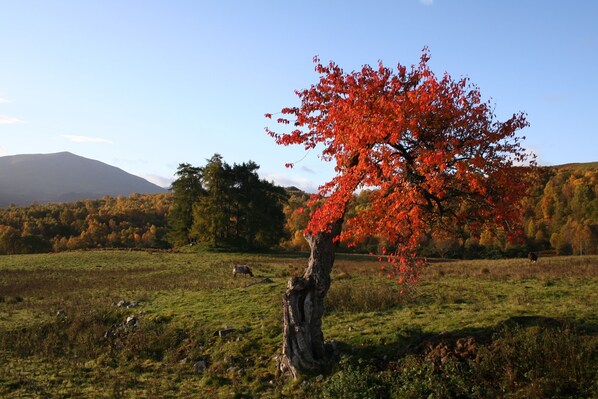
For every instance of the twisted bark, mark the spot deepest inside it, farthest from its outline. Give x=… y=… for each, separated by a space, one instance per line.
x=304 y=350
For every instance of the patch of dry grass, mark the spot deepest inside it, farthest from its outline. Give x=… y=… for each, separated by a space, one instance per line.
x=549 y=267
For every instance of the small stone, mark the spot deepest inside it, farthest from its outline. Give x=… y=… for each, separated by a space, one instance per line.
x=131 y=321
x=200 y=366
x=224 y=332
x=61 y=314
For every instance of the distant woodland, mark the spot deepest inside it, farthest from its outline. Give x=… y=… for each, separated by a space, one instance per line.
x=219 y=205
x=137 y=221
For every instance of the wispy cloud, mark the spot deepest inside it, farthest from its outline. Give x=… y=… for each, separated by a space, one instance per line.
x=2 y=151
x=426 y=2
x=85 y=139
x=7 y=120
x=3 y=100
x=307 y=170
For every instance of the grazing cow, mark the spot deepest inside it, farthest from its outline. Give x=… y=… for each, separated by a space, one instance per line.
x=533 y=257
x=242 y=269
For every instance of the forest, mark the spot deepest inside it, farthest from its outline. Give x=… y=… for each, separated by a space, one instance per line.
x=224 y=206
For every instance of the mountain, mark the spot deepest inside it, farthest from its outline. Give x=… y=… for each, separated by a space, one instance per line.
x=64 y=177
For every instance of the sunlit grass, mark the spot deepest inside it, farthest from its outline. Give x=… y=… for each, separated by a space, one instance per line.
x=185 y=299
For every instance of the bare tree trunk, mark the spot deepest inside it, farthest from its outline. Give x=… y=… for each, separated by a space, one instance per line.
x=303 y=349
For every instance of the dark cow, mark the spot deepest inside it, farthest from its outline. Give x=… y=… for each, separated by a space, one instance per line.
x=533 y=257
x=242 y=269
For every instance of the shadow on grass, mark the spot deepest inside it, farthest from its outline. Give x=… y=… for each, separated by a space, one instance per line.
x=414 y=341
x=532 y=357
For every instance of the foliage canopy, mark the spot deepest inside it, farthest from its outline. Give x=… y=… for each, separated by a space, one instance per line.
x=223 y=205
x=433 y=151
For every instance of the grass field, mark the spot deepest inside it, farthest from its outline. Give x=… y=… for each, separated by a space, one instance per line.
x=470 y=329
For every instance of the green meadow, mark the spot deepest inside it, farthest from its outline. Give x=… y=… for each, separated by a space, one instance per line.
x=120 y=324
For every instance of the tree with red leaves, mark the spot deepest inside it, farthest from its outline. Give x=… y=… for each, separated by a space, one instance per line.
x=431 y=151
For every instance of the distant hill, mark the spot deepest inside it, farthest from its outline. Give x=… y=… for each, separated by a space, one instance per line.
x=295 y=190
x=64 y=177
x=578 y=166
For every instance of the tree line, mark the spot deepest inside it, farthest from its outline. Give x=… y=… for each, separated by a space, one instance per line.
x=216 y=205
x=223 y=205
x=137 y=221
x=563 y=215
x=560 y=215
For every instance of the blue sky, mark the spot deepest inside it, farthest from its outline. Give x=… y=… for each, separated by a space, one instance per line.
x=146 y=85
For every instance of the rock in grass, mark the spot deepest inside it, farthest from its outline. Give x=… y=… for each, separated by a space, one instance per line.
x=131 y=321
x=224 y=332
x=127 y=304
x=200 y=366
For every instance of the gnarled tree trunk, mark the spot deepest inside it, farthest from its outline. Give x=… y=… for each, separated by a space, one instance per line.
x=303 y=348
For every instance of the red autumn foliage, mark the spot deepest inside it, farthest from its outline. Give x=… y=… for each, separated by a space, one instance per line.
x=429 y=147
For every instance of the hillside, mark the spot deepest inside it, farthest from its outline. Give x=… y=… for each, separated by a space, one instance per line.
x=64 y=177
x=577 y=166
